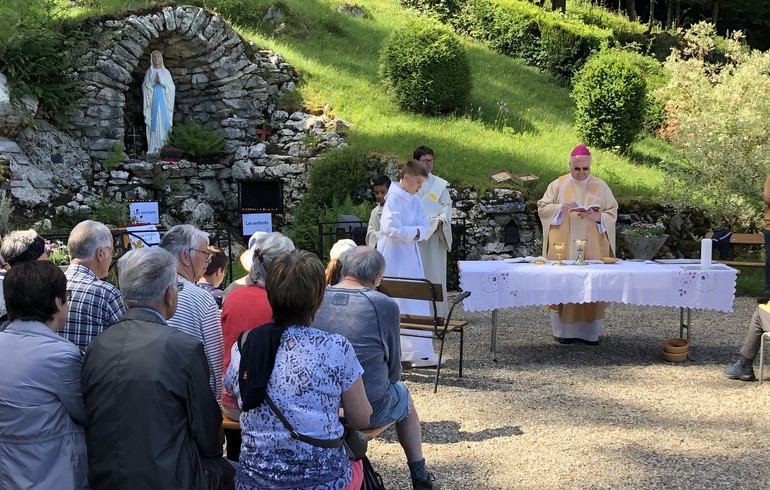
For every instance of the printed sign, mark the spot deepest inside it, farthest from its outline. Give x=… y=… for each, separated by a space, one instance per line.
x=141 y=236
x=257 y=222
x=144 y=212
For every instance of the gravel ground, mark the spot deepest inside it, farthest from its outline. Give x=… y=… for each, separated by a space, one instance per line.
x=614 y=416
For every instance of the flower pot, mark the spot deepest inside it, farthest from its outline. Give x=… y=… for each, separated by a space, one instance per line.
x=643 y=247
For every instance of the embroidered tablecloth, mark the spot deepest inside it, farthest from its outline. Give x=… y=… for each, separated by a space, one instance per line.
x=497 y=284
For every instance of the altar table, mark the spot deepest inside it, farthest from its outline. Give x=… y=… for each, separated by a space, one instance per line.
x=499 y=284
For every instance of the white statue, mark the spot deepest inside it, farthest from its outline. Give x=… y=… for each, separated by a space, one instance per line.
x=159 y=92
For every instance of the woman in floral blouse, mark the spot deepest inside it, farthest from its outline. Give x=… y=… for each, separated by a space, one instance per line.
x=314 y=375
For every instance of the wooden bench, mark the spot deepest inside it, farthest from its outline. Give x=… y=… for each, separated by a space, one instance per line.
x=742 y=239
x=438 y=327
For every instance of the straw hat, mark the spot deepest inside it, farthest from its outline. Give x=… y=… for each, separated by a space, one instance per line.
x=247 y=257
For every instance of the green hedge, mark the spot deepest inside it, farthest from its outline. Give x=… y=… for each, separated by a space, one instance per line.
x=610 y=100
x=542 y=38
x=425 y=68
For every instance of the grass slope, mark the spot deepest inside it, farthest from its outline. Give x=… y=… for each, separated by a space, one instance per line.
x=338 y=58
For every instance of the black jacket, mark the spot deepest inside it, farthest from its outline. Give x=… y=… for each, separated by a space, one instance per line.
x=153 y=420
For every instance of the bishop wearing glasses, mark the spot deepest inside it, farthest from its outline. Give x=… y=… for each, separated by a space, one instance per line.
x=578 y=206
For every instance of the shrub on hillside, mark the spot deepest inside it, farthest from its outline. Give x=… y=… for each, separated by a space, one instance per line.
x=337 y=182
x=425 y=68
x=506 y=30
x=610 y=100
x=523 y=30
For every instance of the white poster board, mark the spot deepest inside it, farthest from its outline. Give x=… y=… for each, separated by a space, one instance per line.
x=141 y=236
x=144 y=212
x=253 y=222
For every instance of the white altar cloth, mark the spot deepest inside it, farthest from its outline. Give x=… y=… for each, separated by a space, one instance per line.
x=497 y=284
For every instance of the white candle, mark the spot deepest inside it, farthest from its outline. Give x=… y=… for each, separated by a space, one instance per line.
x=705 y=253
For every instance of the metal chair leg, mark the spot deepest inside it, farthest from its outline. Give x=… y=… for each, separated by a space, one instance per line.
x=438 y=366
x=762 y=355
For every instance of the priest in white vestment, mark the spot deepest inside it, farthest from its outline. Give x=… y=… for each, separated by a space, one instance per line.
x=438 y=207
x=578 y=206
x=159 y=93
x=403 y=224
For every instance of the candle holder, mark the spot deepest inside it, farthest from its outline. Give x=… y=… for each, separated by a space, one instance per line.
x=559 y=247
x=580 y=246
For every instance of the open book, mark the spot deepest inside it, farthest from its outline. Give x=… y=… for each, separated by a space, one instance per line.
x=585 y=207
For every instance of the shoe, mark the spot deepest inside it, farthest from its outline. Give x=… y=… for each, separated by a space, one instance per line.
x=763 y=299
x=427 y=362
x=563 y=340
x=736 y=371
x=429 y=484
x=589 y=342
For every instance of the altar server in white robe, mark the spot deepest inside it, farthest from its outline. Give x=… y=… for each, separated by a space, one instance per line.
x=380 y=189
x=403 y=224
x=438 y=207
x=565 y=217
x=159 y=93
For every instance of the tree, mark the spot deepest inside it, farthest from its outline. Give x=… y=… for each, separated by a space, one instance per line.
x=631 y=9
x=719 y=119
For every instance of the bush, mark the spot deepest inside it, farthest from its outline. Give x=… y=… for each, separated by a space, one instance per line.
x=610 y=100
x=567 y=46
x=442 y=9
x=425 y=68
x=337 y=184
x=507 y=31
x=36 y=62
x=196 y=141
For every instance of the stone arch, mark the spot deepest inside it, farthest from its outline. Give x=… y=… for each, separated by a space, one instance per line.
x=216 y=79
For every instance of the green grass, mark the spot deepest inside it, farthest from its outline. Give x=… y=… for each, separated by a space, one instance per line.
x=338 y=58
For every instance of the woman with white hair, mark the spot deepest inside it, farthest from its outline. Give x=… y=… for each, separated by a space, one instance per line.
x=247 y=307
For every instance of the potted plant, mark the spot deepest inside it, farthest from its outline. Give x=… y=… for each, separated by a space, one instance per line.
x=57 y=253
x=644 y=239
x=170 y=154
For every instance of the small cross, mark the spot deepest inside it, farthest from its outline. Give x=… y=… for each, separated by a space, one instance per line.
x=134 y=144
x=263 y=133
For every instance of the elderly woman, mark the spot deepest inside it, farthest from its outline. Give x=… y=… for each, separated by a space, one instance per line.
x=42 y=414
x=313 y=374
x=334 y=267
x=20 y=246
x=247 y=307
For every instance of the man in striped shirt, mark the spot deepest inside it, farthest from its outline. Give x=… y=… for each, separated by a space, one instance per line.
x=197 y=313
x=93 y=304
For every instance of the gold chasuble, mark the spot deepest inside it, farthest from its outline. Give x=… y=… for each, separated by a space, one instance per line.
x=564 y=226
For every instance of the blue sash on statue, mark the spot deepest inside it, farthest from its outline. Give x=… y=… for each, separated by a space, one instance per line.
x=159 y=104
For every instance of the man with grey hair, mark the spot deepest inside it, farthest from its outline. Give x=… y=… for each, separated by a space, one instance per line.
x=371 y=321
x=197 y=313
x=94 y=304
x=146 y=391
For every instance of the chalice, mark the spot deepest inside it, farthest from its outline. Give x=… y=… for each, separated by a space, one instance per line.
x=580 y=246
x=559 y=247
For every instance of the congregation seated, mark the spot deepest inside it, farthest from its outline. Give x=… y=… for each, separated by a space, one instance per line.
x=94 y=304
x=153 y=421
x=371 y=322
x=308 y=374
x=42 y=415
x=197 y=313
x=334 y=267
x=247 y=307
x=245 y=260
x=20 y=246
x=214 y=275
x=743 y=369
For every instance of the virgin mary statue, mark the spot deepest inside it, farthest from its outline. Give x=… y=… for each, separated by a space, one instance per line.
x=159 y=92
